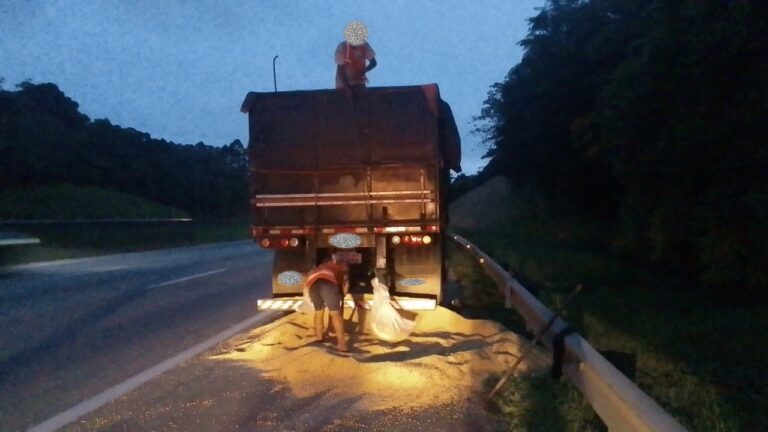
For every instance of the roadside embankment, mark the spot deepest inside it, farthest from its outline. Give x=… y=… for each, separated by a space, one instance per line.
x=701 y=357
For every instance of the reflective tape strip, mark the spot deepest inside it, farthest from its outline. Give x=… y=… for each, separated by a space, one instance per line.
x=406 y=303
x=279 y=304
x=398 y=229
x=284 y=229
x=361 y=230
x=414 y=304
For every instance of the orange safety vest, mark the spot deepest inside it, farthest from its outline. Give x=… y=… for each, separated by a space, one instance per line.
x=328 y=271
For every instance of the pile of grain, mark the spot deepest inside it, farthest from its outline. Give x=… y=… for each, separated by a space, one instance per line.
x=444 y=361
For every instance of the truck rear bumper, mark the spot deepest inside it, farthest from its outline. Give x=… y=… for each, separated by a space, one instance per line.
x=413 y=304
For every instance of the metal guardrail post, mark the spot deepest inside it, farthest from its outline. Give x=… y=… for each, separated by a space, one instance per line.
x=617 y=400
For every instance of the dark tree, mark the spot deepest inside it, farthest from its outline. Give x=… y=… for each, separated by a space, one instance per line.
x=650 y=114
x=44 y=139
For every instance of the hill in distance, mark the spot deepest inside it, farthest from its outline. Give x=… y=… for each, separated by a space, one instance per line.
x=46 y=142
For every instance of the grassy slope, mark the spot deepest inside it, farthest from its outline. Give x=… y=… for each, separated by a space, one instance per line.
x=78 y=202
x=66 y=202
x=703 y=361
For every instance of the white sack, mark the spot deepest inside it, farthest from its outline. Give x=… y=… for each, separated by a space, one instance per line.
x=386 y=322
x=306 y=305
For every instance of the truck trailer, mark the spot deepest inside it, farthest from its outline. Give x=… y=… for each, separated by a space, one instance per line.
x=363 y=173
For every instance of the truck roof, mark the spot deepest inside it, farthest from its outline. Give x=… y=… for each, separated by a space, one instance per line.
x=322 y=129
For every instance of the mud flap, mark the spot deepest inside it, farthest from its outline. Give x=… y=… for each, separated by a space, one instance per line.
x=288 y=271
x=418 y=270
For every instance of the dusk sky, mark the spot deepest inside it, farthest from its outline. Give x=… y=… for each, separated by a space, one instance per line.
x=179 y=69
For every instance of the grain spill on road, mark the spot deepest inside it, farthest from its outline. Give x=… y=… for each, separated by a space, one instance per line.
x=275 y=378
x=444 y=361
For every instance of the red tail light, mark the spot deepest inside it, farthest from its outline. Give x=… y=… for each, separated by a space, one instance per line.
x=286 y=242
x=412 y=240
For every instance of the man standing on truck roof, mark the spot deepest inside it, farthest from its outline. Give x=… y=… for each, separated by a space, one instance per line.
x=351 y=57
x=328 y=284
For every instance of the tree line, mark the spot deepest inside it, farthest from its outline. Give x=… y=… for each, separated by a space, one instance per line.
x=45 y=139
x=650 y=117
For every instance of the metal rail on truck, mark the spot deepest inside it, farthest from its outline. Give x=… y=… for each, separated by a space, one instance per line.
x=343 y=198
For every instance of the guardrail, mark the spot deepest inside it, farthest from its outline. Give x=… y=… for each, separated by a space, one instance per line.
x=617 y=400
x=12 y=238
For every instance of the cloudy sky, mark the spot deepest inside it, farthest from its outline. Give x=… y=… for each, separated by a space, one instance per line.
x=179 y=69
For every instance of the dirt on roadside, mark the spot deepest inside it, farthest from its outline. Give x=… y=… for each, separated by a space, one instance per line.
x=277 y=378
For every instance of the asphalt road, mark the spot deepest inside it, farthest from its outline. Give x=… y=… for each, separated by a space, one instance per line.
x=71 y=329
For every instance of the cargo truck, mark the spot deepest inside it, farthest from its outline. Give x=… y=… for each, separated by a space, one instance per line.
x=363 y=173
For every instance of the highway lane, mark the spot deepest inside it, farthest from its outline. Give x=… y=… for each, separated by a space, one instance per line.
x=71 y=329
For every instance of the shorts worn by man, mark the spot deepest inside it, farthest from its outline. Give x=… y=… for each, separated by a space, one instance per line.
x=327 y=285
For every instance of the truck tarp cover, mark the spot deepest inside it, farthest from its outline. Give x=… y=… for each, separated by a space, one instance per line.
x=321 y=129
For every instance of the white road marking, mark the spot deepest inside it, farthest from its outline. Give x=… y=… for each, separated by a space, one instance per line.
x=188 y=278
x=102 y=270
x=50 y=263
x=87 y=406
x=19 y=241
